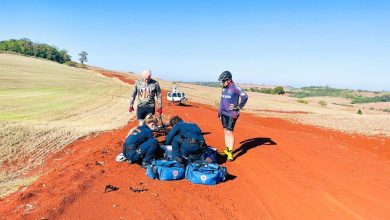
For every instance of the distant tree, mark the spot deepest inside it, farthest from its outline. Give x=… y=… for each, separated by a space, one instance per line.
x=83 y=57
x=279 y=90
x=359 y=112
x=64 y=56
x=26 y=47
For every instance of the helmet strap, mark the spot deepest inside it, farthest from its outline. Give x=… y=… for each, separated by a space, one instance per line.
x=229 y=84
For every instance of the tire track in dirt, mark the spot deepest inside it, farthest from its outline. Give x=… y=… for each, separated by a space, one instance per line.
x=283 y=171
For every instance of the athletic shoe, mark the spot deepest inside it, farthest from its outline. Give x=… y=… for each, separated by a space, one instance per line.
x=229 y=153
x=120 y=158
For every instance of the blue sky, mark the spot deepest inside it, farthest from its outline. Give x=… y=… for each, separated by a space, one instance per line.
x=340 y=43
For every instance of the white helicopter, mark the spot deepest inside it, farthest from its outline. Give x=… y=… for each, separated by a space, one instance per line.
x=176 y=97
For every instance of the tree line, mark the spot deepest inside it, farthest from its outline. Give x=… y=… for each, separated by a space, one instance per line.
x=279 y=90
x=26 y=47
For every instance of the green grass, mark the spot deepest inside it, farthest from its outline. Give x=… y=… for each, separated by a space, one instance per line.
x=361 y=99
x=45 y=105
x=355 y=96
x=319 y=91
x=30 y=90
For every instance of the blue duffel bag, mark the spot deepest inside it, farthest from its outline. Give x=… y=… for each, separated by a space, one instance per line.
x=205 y=173
x=165 y=170
x=210 y=155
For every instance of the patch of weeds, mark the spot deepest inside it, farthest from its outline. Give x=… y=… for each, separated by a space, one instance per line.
x=322 y=103
x=304 y=101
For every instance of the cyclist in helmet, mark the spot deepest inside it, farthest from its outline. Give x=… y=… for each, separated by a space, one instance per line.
x=233 y=99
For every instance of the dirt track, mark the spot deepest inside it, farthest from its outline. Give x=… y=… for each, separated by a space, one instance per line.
x=282 y=171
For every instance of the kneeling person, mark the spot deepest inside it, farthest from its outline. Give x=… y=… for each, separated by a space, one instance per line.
x=140 y=144
x=187 y=141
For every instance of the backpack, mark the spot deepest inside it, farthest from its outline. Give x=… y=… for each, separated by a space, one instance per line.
x=205 y=173
x=210 y=155
x=165 y=170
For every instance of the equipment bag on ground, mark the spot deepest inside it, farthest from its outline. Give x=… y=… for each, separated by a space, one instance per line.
x=165 y=170
x=205 y=173
x=210 y=155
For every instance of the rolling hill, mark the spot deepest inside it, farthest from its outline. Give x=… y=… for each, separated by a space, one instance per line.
x=45 y=106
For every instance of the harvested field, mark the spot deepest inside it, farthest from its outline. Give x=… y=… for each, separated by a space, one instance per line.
x=45 y=106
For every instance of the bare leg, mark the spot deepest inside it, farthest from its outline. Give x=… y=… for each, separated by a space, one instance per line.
x=229 y=139
x=226 y=138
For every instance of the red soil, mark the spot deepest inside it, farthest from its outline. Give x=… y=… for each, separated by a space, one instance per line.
x=107 y=73
x=284 y=171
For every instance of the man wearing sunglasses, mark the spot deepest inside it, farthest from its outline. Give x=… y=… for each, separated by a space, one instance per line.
x=233 y=99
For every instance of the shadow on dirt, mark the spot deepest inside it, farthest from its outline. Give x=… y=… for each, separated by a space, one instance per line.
x=251 y=143
x=230 y=177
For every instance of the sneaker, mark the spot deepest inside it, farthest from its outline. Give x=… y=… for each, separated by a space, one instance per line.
x=229 y=153
x=120 y=158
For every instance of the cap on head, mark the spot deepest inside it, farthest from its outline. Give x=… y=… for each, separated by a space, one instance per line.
x=174 y=120
x=226 y=75
x=146 y=74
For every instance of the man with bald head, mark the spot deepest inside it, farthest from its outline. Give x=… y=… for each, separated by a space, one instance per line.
x=146 y=89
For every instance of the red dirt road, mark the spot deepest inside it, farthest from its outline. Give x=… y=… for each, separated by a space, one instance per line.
x=283 y=171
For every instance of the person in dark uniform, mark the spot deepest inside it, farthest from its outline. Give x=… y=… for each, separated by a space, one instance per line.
x=140 y=145
x=188 y=143
x=229 y=109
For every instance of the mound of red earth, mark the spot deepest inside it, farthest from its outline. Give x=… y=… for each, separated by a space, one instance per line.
x=281 y=170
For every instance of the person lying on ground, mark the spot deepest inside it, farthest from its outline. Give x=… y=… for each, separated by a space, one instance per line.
x=188 y=143
x=146 y=89
x=140 y=145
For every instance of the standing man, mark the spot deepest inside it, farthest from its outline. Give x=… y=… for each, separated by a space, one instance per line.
x=229 y=109
x=147 y=89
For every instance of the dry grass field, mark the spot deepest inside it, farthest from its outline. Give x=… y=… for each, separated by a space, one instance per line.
x=339 y=116
x=44 y=106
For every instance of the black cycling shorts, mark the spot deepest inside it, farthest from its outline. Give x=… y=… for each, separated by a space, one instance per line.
x=143 y=111
x=228 y=122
